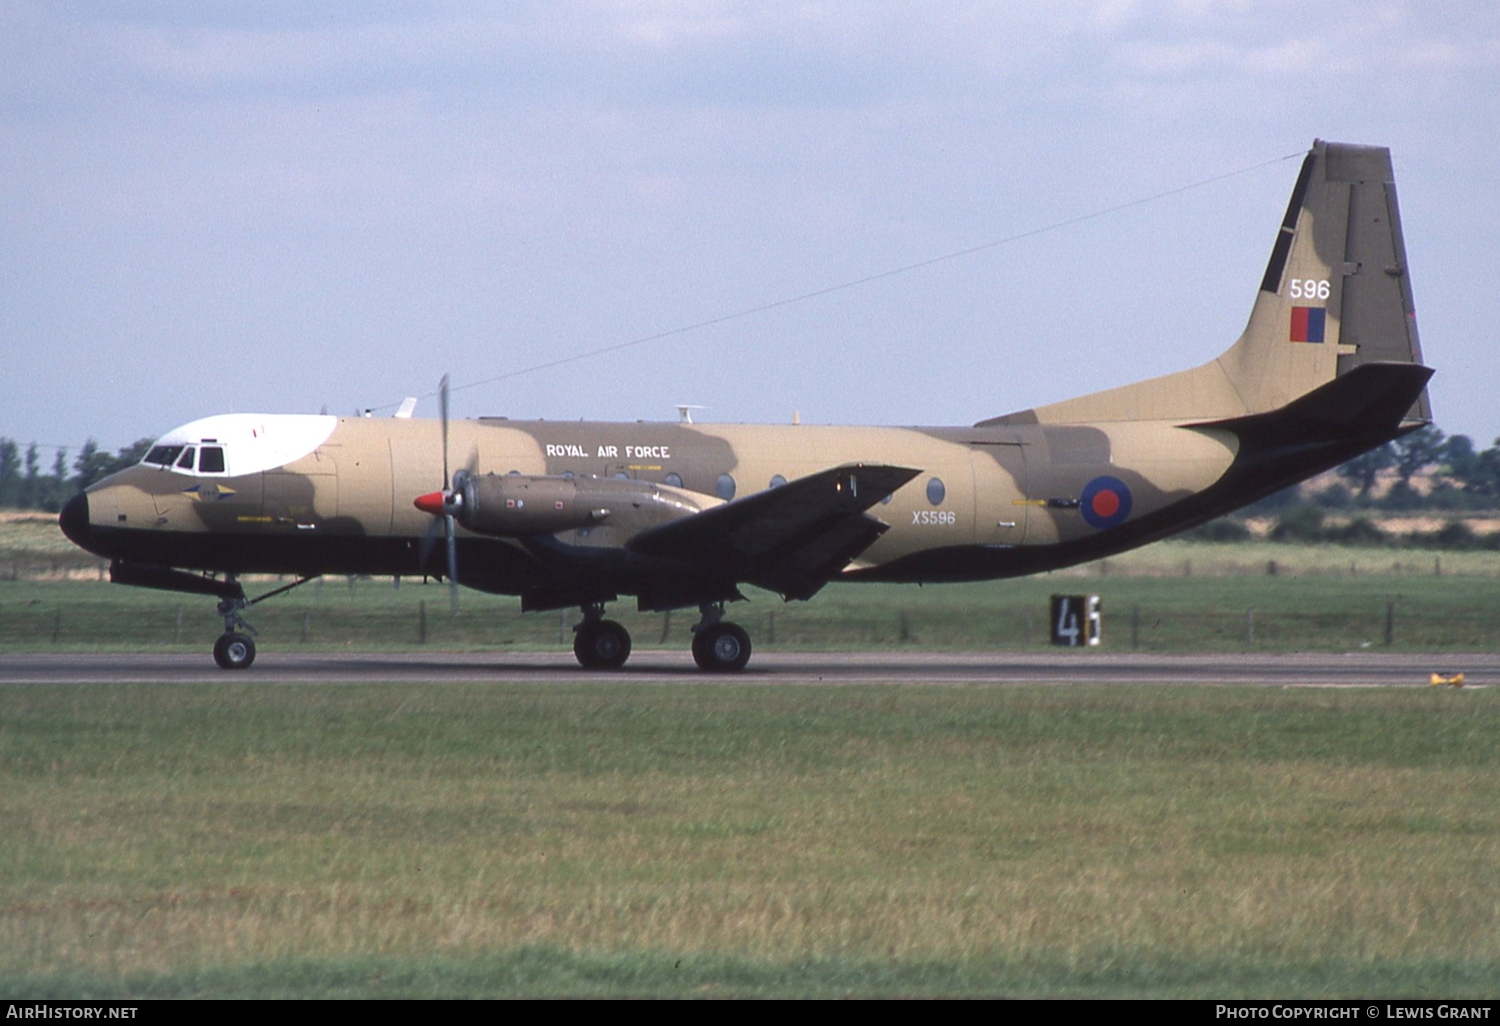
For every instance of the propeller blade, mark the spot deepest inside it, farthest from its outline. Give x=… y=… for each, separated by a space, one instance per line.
x=425 y=544
x=443 y=415
x=452 y=567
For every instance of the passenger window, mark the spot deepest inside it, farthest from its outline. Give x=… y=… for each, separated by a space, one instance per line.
x=673 y=478
x=777 y=481
x=724 y=487
x=212 y=460
x=186 y=463
x=936 y=492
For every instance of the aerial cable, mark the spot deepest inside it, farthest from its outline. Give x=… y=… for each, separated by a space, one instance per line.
x=866 y=280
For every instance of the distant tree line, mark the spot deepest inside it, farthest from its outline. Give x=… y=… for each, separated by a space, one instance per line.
x=1459 y=476
x=24 y=486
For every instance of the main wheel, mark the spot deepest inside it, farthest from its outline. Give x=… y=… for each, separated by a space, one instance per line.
x=601 y=645
x=722 y=648
x=234 y=652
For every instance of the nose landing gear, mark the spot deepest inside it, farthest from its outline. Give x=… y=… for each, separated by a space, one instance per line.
x=233 y=650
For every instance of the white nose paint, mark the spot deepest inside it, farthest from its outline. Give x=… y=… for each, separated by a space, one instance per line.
x=254 y=442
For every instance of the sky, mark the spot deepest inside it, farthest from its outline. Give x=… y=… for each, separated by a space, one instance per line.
x=283 y=208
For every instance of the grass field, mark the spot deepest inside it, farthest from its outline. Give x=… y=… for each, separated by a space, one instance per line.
x=264 y=840
x=246 y=838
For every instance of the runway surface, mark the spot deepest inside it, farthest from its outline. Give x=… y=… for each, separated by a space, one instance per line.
x=1362 y=669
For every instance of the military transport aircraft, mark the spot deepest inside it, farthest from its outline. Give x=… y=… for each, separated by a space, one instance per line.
x=576 y=514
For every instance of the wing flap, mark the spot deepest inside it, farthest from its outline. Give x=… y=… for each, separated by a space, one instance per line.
x=791 y=539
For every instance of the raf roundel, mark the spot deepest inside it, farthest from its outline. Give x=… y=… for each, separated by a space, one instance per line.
x=1105 y=502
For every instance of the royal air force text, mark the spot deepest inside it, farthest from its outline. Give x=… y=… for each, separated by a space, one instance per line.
x=611 y=452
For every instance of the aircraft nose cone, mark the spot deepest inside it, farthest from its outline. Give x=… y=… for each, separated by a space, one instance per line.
x=432 y=503
x=74 y=519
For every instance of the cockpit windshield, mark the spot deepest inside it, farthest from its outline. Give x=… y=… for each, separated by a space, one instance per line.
x=208 y=459
x=163 y=455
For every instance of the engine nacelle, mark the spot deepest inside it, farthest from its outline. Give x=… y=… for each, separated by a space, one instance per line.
x=511 y=505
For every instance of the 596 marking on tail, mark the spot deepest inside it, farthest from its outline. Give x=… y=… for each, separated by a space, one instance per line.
x=1309 y=288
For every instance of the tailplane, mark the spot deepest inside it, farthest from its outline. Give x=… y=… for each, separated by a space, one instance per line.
x=1336 y=295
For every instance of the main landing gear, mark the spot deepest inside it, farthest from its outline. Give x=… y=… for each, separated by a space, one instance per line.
x=600 y=644
x=718 y=646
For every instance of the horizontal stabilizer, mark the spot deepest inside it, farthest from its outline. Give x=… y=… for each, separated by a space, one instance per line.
x=1369 y=401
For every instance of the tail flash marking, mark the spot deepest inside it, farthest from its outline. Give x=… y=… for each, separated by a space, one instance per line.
x=1307 y=323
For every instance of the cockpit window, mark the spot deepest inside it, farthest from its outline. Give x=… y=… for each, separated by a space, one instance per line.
x=186 y=462
x=212 y=460
x=163 y=455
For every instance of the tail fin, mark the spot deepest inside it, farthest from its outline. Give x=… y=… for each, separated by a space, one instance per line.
x=1336 y=295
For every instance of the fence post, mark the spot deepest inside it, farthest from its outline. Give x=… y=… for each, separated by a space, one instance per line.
x=1135 y=628
x=1390 y=623
x=1249 y=628
x=666 y=626
x=177 y=627
x=905 y=628
x=422 y=622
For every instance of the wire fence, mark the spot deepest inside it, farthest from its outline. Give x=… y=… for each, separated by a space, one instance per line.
x=39 y=624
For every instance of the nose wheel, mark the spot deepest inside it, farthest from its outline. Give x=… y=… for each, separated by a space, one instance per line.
x=234 y=651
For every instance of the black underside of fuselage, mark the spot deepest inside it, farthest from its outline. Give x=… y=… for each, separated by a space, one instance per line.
x=545 y=574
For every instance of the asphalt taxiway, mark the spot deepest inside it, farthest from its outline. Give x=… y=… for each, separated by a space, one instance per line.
x=1358 y=669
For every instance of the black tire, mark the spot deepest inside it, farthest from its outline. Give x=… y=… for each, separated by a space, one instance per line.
x=722 y=648
x=601 y=645
x=234 y=652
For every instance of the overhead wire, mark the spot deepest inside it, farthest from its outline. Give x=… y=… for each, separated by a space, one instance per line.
x=857 y=282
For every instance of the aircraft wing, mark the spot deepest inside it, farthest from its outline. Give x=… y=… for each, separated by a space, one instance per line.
x=790 y=539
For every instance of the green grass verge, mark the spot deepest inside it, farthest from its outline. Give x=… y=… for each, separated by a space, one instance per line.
x=1303 y=607
x=265 y=840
